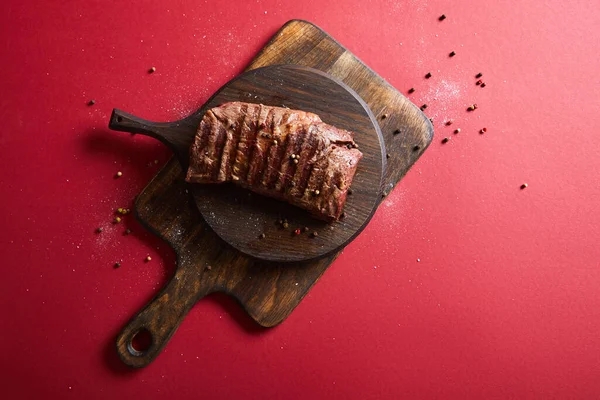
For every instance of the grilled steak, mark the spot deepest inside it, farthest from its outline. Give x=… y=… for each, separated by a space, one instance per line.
x=289 y=155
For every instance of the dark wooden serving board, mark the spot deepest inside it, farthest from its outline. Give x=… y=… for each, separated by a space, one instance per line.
x=268 y=291
x=249 y=222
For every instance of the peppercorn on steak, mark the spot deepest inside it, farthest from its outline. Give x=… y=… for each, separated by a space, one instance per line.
x=289 y=155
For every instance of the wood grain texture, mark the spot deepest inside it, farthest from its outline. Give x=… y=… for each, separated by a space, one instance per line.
x=268 y=291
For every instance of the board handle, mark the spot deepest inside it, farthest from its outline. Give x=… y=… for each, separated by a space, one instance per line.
x=148 y=332
x=177 y=135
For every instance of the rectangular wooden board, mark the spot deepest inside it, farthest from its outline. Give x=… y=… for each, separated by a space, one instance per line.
x=270 y=292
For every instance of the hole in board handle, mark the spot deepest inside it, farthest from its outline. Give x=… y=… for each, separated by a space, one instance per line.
x=119 y=119
x=140 y=342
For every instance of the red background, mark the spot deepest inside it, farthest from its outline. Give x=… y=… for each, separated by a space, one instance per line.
x=504 y=302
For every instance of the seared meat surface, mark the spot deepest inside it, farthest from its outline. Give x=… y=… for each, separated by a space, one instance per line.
x=289 y=155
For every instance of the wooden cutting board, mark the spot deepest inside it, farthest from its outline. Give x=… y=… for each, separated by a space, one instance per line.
x=268 y=291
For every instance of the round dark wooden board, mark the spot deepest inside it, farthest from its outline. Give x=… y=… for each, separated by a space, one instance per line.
x=239 y=216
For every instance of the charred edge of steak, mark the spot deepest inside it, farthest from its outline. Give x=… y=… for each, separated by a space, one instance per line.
x=194 y=149
x=219 y=148
x=203 y=150
x=199 y=153
x=231 y=145
x=247 y=130
x=300 y=160
x=210 y=149
x=224 y=135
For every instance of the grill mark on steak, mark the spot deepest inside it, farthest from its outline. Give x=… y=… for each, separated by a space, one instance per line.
x=321 y=150
x=241 y=165
x=272 y=160
x=275 y=120
x=286 y=163
x=279 y=159
x=238 y=136
x=302 y=133
x=329 y=198
x=327 y=137
x=196 y=163
x=323 y=183
x=254 y=141
x=342 y=166
x=233 y=121
x=263 y=142
x=315 y=180
x=204 y=155
x=223 y=135
x=285 y=157
x=308 y=150
x=209 y=148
